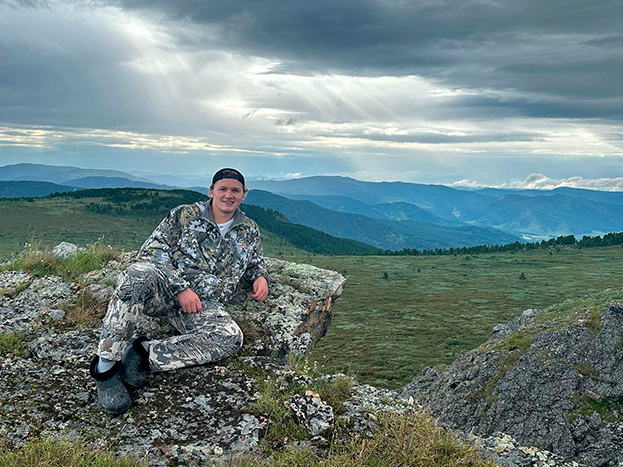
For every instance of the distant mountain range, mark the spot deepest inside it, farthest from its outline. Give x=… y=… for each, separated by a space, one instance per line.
x=382 y=233
x=531 y=214
x=391 y=215
x=59 y=174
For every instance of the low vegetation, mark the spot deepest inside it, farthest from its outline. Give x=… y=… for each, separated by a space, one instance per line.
x=11 y=343
x=430 y=309
x=413 y=439
x=39 y=261
x=85 y=311
x=54 y=453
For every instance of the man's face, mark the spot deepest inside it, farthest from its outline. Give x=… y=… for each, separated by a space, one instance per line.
x=227 y=194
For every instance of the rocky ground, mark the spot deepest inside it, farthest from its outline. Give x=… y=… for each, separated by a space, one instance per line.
x=186 y=417
x=197 y=415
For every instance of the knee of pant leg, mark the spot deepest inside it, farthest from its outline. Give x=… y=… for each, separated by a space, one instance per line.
x=141 y=271
x=137 y=279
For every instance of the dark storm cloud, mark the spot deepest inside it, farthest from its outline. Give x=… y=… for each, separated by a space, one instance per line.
x=556 y=50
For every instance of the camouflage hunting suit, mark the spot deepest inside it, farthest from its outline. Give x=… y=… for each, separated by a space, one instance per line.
x=186 y=250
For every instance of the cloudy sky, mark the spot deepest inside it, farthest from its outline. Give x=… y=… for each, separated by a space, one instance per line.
x=465 y=92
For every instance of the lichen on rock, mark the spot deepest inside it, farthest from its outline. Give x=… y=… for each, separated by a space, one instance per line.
x=551 y=378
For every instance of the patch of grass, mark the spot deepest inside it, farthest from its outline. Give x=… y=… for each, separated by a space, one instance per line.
x=521 y=341
x=13 y=292
x=512 y=348
x=41 y=262
x=86 y=311
x=109 y=281
x=54 y=453
x=593 y=322
x=281 y=425
x=36 y=262
x=12 y=343
x=302 y=365
x=586 y=370
x=335 y=391
x=608 y=408
x=411 y=440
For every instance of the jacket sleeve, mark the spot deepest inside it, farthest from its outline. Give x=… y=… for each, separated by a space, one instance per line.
x=158 y=249
x=256 y=267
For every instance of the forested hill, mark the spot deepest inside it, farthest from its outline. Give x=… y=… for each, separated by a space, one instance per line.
x=109 y=212
x=20 y=189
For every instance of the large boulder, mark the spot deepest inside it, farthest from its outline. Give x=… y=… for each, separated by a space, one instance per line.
x=550 y=378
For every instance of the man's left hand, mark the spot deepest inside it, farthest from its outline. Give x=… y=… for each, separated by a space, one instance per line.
x=260 y=289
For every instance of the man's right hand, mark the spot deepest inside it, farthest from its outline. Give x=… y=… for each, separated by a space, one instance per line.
x=189 y=301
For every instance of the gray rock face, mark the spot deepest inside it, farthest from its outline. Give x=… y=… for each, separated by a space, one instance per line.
x=64 y=250
x=192 y=416
x=312 y=412
x=551 y=379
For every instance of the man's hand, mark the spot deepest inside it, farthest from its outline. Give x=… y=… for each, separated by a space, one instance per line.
x=260 y=289
x=189 y=301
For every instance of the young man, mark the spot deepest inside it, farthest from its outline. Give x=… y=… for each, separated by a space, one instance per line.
x=190 y=265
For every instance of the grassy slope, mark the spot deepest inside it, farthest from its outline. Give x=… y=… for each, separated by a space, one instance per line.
x=386 y=330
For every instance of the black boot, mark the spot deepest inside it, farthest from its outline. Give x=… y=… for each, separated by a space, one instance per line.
x=112 y=395
x=135 y=364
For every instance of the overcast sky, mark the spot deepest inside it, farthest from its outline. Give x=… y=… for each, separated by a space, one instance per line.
x=499 y=93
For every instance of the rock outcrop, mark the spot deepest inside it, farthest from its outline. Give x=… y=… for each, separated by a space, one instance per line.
x=185 y=417
x=552 y=379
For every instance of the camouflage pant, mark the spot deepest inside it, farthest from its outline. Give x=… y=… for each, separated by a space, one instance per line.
x=207 y=336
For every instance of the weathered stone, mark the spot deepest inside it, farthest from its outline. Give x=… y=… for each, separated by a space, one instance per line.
x=531 y=380
x=64 y=250
x=312 y=412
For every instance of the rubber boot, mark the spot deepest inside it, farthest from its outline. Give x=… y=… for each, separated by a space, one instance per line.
x=135 y=364
x=112 y=395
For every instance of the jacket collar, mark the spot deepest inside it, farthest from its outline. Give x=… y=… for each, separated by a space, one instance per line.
x=239 y=216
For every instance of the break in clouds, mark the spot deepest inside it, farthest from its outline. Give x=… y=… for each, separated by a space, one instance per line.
x=484 y=92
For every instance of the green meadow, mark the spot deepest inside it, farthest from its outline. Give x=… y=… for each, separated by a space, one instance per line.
x=397 y=314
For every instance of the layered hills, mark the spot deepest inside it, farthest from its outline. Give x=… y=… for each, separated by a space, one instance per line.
x=530 y=214
x=394 y=215
x=383 y=233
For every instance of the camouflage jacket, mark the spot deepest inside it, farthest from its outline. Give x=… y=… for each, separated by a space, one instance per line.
x=188 y=246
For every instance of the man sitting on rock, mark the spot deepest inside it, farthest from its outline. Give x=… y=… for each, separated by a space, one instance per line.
x=191 y=264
